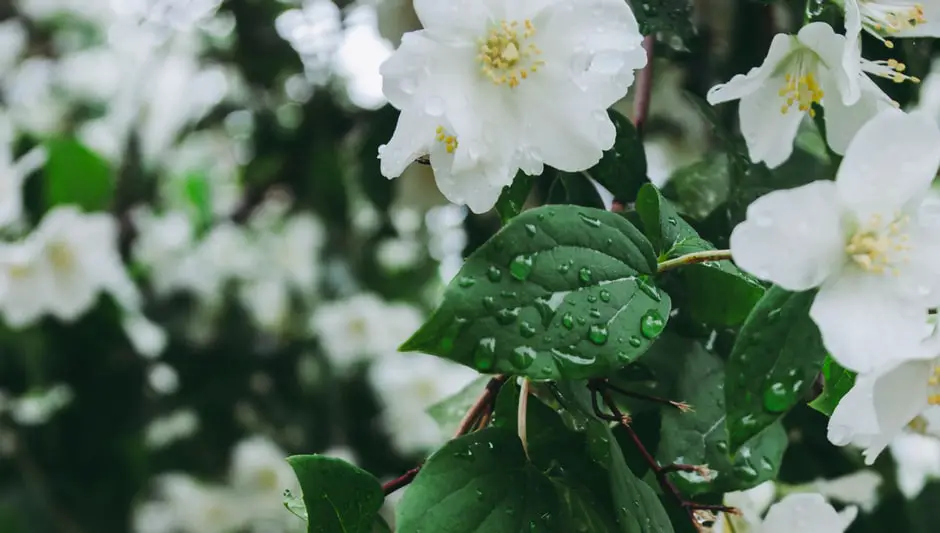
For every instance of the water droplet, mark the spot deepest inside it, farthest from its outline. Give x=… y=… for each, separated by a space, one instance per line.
x=522 y=357
x=635 y=341
x=434 y=106
x=573 y=358
x=507 y=316
x=585 y=275
x=766 y=464
x=479 y=494
x=510 y=511
x=722 y=446
x=494 y=274
x=464 y=454
x=408 y=86
x=777 y=398
x=652 y=324
x=773 y=315
x=648 y=289
x=605 y=295
x=484 y=357
x=607 y=62
x=598 y=334
x=508 y=295
x=521 y=267
x=590 y=221
x=624 y=357
x=547 y=370
x=531 y=229
x=673 y=221
x=748 y=421
x=567 y=320
x=465 y=281
x=746 y=471
x=489 y=303
x=564 y=268
x=526 y=329
x=591 y=298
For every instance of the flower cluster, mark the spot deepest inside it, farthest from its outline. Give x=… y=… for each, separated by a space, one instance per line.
x=866 y=241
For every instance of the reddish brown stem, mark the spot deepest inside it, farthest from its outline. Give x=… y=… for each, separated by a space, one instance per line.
x=644 y=87
x=682 y=406
x=400 y=481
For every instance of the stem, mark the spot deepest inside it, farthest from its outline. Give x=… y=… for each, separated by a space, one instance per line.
x=400 y=481
x=693 y=258
x=682 y=406
x=644 y=87
x=521 y=417
x=661 y=473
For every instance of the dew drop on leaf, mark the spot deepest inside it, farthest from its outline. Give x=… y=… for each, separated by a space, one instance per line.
x=484 y=357
x=465 y=281
x=652 y=324
x=567 y=320
x=648 y=289
x=521 y=267
x=777 y=398
x=526 y=329
x=531 y=229
x=590 y=221
x=564 y=268
x=598 y=334
x=585 y=275
x=522 y=357
x=635 y=341
x=507 y=316
x=494 y=274
x=605 y=295
x=572 y=357
x=489 y=303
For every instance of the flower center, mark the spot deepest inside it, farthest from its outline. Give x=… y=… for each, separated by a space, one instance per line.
x=801 y=87
x=449 y=141
x=878 y=247
x=933 y=384
x=891 y=18
x=891 y=69
x=61 y=256
x=506 y=56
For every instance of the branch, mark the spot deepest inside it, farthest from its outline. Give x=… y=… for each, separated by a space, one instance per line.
x=644 y=87
x=521 y=415
x=600 y=388
x=682 y=406
x=693 y=258
x=477 y=417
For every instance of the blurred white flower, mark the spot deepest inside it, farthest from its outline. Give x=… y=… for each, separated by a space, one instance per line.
x=858 y=488
x=408 y=384
x=804 y=512
x=751 y=503
x=187 y=506
x=13 y=174
x=29 y=97
x=163 y=378
x=398 y=253
x=165 y=430
x=259 y=469
x=37 y=407
x=917 y=458
x=314 y=31
x=359 y=56
x=362 y=327
x=487 y=89
x=166 y=14
x=162 y=241
x=147 y=338
x=12 y=44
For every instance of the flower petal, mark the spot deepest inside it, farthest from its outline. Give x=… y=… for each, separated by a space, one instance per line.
x=929 y=28
x=854 y=420
x=404 y=73
x=768 y=130
x=454 y=18
x=865 y=324
x=852 y=54
x=830 y=47
x=899 y=395
x=791 y=237
x=413 y=135
x=744 y=84
x=843 y=122
x=806 y=513
x=875 y=180
x=476 y=181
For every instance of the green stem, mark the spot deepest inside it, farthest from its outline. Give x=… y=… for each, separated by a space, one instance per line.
x=693 y=258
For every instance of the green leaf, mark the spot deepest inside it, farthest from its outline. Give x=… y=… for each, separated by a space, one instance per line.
x=480 y=483
x=773 y=363
x=573 y=189
x=555 y=294
x=701 y=187
x=638 y=508
x=622 y=170
x=198 y=194
x=700 y=437
x=450 y=411
x=513 y=197
x=718 y=292
x=837 y=383
x=75 y=175
x=339 y=497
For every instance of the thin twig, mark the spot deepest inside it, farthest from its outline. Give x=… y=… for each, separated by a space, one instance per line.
x=400 y=481
x=644 y=87
x=521 y=415
x=693 y=258
x=682 y=406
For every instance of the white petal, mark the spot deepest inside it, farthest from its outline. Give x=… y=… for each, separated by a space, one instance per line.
x=147 y=338
x=852 y=55
x=899 y=395
x=791 y=237
x=843 y=122
x=413 y=135
x=598 y=43
x=830 y=47
x=477 y=186
x=854 y=420
x=931 y=26
x=767 y=130
x=889 y=164
x=454 y=18
x=806 y=513
x=864 y=322
x=404 y=73
x=919 y=279
x=744 y=84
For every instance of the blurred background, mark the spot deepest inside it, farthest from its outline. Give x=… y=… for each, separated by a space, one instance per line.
x=208 y=273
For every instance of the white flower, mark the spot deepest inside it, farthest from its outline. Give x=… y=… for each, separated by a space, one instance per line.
x=37 y=407
x=259 y=467
x=861 y=240
x=890 y=18
x=410 y=383
x=165 y=430
x=806 y=513
x=194 y=507
x=362 y=327
x=799 y=71
x=858 y=488
x=359 y=57
x=490 y=87
x=918 y=460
